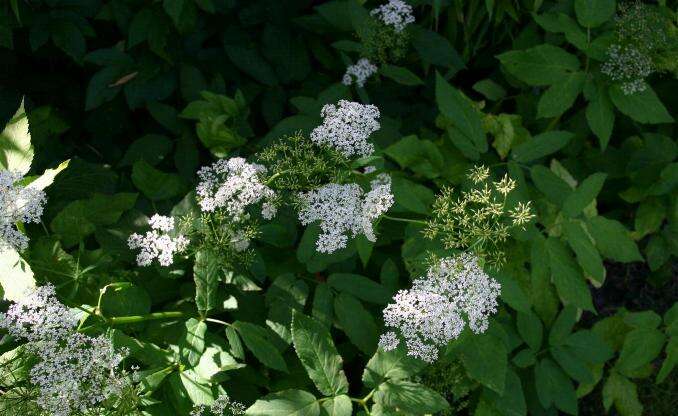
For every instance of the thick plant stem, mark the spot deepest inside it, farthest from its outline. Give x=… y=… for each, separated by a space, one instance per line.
x=119 y=320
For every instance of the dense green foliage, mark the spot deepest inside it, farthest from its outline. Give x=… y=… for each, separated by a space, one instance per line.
x=139 y=94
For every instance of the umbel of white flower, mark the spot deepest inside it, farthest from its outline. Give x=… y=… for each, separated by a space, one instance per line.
x=233 y=184
x=346 y=127
x=629 y=66
x=74 y=372
x=359 y=72
x=344 y=210
x=395 y=13
x=158 y=243
x=222 y=406
x=455 y=292
x=17 y=204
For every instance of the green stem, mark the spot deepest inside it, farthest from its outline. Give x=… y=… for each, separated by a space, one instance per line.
x=119 y=320
x=217 y=321
x=413 y=221
x=275 y=176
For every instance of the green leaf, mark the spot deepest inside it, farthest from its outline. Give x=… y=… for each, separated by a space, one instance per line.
x=587 y=254
x=206 y=273
x=410 y=397
x=317 y=353
x=485 y=358
x=16 y=276
x=286 y=403
x=490 y=89
x=256 y=341
x=641 y=346
x=567 y=276
x=621 y=392
x=584 y=194
x=552 y=186
x=458 y=110
x=644 y=107
x=156 y=185
x=337 y=406
x=530 y=329
x=613 y=240
x=400 y=75
x=563 y=325
x=152 y=148
x=323 y=309
x=670 y=361
x=593 y=13
x=412 y=196
x=600 y=116
x=560 y=96
x=540 y=66
x=541 y=145
x=390 y=365
x=435 y=49
x=124 y=299
x=47 y=178
x=16 y=151
x=359 y=286
x=554 y=387
x=573 y=365
x=589 y=347
x=356 y=322
x=192 y=342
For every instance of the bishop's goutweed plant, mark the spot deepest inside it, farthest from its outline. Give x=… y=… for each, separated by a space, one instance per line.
x=337 y=208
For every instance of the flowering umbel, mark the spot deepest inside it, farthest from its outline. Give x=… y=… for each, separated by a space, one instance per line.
x=344 y=211
x=74 y=372
x=395 y=13
x=233 y=184
x=346 y=127
x=478 y=220
x=18 y=204
x=222 y=406
x=159 y=243
x=359 y=72
x=456 y=292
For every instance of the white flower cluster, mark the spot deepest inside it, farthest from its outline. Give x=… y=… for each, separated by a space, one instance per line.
x=437 y=308
x=17 y=204
x=158 y=243
x=234 y=184
x=395 y=13
x=74 y=372
x=629 y=66
x=359 y=72
x=222 y=406
x=346 y=127
x=345 y=210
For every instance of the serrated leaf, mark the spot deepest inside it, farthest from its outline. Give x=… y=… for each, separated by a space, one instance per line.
x=286 y=403
x=256 y=341
x=390 y=365
x=410 y=397
x=206 y=274
x=554 y=387
x=613 y=240
x=192 y=342
x=540 y=66
x=356 y=322
x=459 y=111
x=593 y=13
x=16 y=151
x=541 y=145
x=644 y=107
x=318 y=354
x=359 y=286
x=585 y=193
x=560 y=96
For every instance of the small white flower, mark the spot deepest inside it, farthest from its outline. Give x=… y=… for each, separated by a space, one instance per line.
x=346 y=127
x=345 y=210
x=359 y=72
x=455 y=293
x=395 y=13
x=232 y=184
x=157 y=243
x=17 y=204
x=74 y=372
x=629 y=66
x=222 y=406
x=389 y=341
